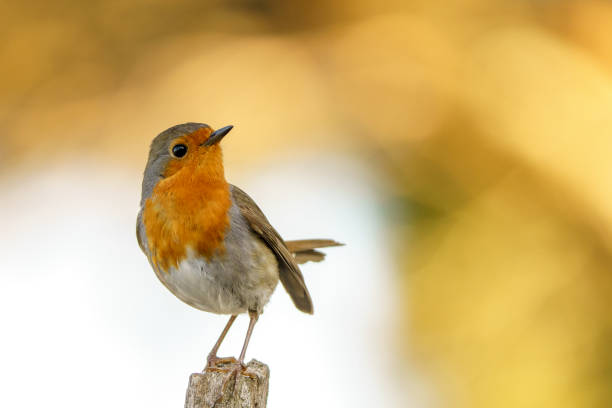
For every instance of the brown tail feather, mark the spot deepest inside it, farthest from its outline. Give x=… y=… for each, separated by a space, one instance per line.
x=309 y=255
x=304 y=250
x=306 y=244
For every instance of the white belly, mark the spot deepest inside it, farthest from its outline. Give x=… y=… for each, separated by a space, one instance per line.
x=242 y=279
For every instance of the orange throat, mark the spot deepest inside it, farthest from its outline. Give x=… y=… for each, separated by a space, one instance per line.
x=187 y=213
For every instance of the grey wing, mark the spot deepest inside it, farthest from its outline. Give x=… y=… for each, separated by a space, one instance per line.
x=289 y=272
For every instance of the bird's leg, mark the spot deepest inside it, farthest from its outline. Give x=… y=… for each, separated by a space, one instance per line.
x=239 y=366
x=212 y=359
x=254 y=316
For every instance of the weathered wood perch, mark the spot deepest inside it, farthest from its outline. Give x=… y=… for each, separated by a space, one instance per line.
x=222 y=389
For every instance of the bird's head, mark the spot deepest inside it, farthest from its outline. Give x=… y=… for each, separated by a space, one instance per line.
x=186 y=150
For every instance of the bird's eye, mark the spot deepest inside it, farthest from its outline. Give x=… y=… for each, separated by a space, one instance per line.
x=179 y=150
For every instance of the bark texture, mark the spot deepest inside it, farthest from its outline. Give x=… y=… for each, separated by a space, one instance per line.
x=223 y=389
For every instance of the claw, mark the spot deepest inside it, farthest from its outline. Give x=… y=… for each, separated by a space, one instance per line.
x=231 y=376
x=214 y=362
x=231 y=372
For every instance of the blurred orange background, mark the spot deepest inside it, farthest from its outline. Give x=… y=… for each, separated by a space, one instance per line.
x=460 y=148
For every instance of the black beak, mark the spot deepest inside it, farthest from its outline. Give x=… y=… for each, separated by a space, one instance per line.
x=216 y=136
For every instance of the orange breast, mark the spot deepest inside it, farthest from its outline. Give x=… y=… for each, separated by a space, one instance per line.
x=186 y=212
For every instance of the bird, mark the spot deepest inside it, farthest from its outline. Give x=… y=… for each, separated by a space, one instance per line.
x=207 y=241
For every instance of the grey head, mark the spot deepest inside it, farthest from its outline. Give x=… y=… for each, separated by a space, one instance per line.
x=159 y=155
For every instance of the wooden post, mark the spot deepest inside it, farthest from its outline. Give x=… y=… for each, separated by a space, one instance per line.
x=222 y=389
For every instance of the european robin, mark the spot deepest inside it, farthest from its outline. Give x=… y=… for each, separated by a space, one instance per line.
x=207 y=240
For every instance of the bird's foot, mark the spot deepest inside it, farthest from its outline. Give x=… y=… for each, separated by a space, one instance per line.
x=231 y=372
x=231 y=367
x=213 y=362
